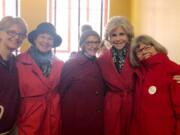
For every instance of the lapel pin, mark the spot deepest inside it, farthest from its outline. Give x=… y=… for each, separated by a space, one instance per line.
x=152 y=90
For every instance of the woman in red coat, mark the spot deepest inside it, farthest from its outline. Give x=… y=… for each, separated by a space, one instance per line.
x=118 y=76
x=82 y=90
x=39 y=73
x=12 y=33
x=157 y=102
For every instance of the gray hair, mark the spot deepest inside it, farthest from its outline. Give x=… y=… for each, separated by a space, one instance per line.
x=119 y=21
x=9 y=21
x=147 y=40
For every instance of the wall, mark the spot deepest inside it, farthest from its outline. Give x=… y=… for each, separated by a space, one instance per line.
x=161 y=20
x=34 y=12
x=120 y=7
x=157 y=18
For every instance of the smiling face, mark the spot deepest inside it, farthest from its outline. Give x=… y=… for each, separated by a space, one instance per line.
x=91 y=46
x=118 y=38
x=44 y=42
x=144 y=51
x=12 y=37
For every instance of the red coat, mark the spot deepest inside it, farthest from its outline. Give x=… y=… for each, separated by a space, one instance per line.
x=157 y=104
x=40 y=111
x=118 y=100
x=82 y=91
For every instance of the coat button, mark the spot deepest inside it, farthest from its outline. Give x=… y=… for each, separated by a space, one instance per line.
x=98 y=110
x=96 y=77
x=97 y=93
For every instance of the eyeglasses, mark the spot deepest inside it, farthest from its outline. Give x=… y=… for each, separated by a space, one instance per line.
x=92 y=42
x=145 y=48
x=13 y=33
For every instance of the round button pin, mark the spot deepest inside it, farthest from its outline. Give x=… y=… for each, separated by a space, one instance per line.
x=152 y=90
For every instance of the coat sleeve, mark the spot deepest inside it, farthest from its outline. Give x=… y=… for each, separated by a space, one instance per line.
x=66 y=78
x=176 y=104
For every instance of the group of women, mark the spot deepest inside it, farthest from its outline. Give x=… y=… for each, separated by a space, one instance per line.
x=128 y=90
x=28 y=92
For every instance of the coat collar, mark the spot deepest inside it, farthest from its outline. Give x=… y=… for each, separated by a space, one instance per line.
x=9 y=64
x=28 y=60
x=154 y=60
x=150 y=63
x=82 y=59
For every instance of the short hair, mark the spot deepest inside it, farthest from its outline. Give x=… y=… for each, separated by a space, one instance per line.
x=9 y=21
x=147 y=40
x=119 y=21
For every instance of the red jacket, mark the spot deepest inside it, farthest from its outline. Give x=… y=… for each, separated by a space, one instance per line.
x=118 y=100
x=40 y=111
x=157 y=100
x=82 y=91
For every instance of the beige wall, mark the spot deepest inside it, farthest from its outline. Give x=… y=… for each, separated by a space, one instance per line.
x=158 y=18
x=120 y=7
x=161 y=20
x=34 y=12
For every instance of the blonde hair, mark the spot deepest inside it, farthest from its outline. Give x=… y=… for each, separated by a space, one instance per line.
x=104 y=46
x=9 y=21
x=119 y=21
x=147 y=40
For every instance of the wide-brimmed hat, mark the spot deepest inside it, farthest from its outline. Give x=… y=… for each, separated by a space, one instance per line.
x=45 y=28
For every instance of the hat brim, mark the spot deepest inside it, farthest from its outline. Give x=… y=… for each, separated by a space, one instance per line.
x=33 y=35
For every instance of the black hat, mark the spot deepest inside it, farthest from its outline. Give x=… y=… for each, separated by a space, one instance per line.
x=45 y=28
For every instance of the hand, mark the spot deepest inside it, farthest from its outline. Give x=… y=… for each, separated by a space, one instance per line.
x=1 y=111
x=176 y=78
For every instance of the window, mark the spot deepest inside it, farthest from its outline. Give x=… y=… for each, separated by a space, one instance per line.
x=69 y=15
x=9 y=8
